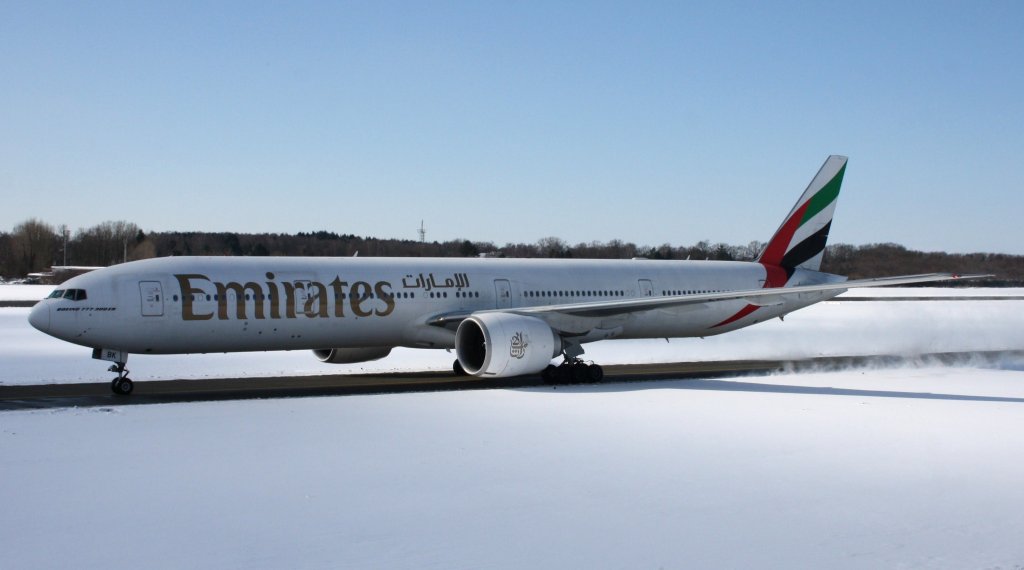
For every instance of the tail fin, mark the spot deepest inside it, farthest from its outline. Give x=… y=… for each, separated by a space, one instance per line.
x=800 y=240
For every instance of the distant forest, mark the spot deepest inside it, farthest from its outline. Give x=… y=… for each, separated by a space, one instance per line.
x=34 y=246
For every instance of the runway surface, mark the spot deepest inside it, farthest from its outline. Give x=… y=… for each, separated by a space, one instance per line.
x=45 y=396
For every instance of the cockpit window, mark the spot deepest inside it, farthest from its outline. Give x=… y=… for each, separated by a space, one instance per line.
x=57 y=294
x=72 y=294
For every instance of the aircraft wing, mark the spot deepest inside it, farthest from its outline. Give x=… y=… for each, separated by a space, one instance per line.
x=761 y=297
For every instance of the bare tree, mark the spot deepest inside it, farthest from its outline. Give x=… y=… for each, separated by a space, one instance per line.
x=106 y=243
x=34 y=246
x=6 y=255
x=552 y=247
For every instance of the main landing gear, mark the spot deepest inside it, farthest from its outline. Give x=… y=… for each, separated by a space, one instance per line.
x=121 y=385
x=572 y=371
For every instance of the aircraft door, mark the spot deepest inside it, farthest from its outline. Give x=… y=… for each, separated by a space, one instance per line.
x=152 y=298
x=503 y=293
x=646 y=288
x=302 y=290
x=293 y=290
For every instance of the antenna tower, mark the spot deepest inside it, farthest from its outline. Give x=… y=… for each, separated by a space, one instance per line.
x=423 y=232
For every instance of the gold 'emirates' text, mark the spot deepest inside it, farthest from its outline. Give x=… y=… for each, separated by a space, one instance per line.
x=285 y=299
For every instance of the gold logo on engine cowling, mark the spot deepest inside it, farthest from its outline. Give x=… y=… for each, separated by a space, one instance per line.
x=518 y=345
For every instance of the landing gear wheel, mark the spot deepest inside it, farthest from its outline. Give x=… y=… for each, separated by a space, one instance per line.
x=550 y=374
x=122 y=386
x=572 y=372
x=578 y=372
x=458 y=369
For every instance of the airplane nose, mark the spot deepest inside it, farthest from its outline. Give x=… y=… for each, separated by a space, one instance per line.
x=39 y=316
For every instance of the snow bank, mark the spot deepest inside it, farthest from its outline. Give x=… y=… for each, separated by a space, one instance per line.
x=935 y=292
x=9 y=292
x=862 y=469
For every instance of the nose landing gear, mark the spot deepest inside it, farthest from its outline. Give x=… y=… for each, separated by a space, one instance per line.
x=121 y=385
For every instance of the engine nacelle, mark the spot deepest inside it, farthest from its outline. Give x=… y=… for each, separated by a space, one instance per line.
x=497 y=345
x=351 y=355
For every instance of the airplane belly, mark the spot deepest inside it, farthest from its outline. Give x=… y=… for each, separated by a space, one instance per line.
x=168 y=336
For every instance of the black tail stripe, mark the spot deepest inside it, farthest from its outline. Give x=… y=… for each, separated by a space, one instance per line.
x=807 y=249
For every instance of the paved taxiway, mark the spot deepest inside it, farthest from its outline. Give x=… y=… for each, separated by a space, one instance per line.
x=42 y=396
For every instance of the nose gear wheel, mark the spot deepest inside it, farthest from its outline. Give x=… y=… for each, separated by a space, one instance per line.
x=122 y=385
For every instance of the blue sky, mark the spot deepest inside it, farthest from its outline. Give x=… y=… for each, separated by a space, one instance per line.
x=513 y=121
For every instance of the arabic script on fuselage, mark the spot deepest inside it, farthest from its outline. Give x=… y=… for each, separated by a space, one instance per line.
x=428 y=282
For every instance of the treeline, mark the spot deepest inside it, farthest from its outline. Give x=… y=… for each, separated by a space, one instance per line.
x=34 y=246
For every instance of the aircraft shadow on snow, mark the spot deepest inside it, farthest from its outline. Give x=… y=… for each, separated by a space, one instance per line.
x=760 y=388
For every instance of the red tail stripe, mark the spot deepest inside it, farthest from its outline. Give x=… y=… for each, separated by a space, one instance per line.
x=776 y=249
x=775 y=277
x=742 y=313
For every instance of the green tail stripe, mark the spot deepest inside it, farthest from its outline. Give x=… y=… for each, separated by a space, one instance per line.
x=825 y=196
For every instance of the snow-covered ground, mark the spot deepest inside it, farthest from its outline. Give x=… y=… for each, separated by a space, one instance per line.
x=863 y=469
x=827 y=329
x=20 y=292
x=907 y=468
x=935 y=292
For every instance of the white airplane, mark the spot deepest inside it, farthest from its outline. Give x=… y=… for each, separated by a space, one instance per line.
x=503 y=317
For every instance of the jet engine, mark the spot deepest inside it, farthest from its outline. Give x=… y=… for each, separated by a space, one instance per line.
x=351 y=355
x=498 y=345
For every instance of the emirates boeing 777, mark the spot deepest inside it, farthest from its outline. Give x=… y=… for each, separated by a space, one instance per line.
x=503 y=317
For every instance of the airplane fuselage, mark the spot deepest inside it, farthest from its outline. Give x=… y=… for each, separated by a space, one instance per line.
x=217 y=304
